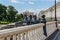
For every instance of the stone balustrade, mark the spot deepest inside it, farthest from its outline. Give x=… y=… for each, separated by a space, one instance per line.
x=30 y=32
x=51 y=27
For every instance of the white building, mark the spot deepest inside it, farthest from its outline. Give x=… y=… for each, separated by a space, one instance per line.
x=28 y=13
x=50 y=12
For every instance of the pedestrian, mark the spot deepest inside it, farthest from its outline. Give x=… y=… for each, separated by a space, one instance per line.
x=44 y=27
x=30 y=19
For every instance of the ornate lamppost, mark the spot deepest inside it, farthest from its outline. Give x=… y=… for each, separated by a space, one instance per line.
x=55 y=14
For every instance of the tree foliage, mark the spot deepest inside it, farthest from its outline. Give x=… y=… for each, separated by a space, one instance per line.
x=9 y=14
x=2 y=12
x=19 y=17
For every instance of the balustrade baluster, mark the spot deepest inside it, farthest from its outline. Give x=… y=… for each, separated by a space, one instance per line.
x=18 y=37
x=23 y=36
x=8 y=38
x=26 y=36
x=14 y=37
x=32 y=34
x=29 y=36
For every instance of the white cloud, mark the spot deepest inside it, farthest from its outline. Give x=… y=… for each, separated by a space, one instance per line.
x=14 y=1
x=40 y=9
x=45 y=0
x=53 y=0
x=58 y=0
x=31 y=2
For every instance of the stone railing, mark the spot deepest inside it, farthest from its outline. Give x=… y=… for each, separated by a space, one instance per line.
x=30 y=32
x=51 y=27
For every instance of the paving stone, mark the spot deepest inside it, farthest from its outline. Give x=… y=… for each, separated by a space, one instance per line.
x=52 y=36
x=58 y=36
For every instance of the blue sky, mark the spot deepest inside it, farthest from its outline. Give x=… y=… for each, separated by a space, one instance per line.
x=31 y=5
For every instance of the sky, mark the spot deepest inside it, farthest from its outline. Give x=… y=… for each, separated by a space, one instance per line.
x=30 y=5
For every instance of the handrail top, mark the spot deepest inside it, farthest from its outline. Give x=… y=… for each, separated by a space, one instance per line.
x=50 y=22
x=17 y=30
x=21 y=29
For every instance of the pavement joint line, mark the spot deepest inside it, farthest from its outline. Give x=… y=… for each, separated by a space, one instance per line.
x=56 y=35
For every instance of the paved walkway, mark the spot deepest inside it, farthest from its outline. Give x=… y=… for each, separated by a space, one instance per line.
x=53 y=36
x=57 y=36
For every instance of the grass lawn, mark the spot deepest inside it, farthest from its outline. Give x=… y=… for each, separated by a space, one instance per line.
x=3 y=22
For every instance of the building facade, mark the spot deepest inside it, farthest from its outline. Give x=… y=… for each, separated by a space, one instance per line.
x=50 y=12
x=28 y=13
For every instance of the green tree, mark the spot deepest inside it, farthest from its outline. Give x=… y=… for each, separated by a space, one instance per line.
x=19 y=17
x=11 y=13
x=2 y=12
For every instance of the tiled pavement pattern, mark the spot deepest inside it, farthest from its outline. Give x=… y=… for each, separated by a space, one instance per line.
x=52 y=36
x=58 y=36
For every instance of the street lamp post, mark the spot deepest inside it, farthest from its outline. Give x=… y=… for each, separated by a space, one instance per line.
x=55 y=14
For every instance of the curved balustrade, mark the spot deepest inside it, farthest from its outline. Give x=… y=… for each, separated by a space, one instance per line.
x=30 y=32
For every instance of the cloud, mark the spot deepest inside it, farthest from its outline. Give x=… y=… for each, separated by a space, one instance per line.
x=14 y=1
x=31 y=3
x=50 y=0
x=40 y=9
x=44 y=0
x=58 y=0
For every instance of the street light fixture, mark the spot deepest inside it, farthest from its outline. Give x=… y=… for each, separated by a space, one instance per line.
x=55 y=14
